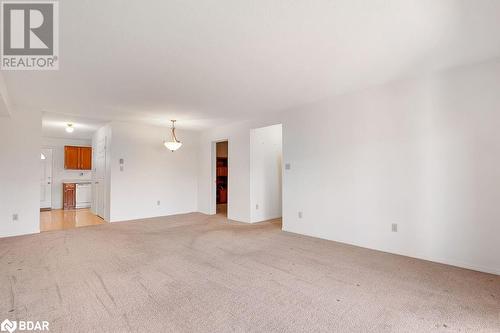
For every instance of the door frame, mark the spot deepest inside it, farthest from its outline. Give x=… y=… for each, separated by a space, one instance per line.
x=213 y=183
x=51 y=176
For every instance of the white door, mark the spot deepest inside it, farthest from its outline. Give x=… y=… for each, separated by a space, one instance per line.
x=98 y=188
x=100 y=159
x=100 y=199
x=95 y=197
x=46 y=178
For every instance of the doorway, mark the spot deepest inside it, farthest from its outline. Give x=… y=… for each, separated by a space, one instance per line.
x=221 y=177
x=46 y=156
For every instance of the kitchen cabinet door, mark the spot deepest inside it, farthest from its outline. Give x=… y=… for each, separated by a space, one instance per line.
x=71 y=157
x=69 y=196
x=85 y=158
x=77 y=158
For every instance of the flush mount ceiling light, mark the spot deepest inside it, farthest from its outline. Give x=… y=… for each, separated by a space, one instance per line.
x=173 y=144
x=70 y=128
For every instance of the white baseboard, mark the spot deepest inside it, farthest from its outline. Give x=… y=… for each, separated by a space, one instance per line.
x=445 y=261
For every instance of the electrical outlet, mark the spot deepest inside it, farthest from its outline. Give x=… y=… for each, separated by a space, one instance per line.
x=300 y=215
x=394 y=227
x=287 y=166
x=257 y=206
x=158 y=203
x=15 y=217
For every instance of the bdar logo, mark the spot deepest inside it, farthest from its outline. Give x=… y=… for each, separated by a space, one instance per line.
x=24 y=325
x=8 y=326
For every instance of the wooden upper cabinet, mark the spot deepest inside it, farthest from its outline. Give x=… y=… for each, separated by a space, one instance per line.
x=85 y=158
x=77 y=158
x=71 y=157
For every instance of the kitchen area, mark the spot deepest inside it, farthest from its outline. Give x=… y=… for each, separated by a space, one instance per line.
x=66 y=184
x=77 y=193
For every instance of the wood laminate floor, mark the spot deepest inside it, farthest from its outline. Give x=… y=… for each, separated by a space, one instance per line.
x=59 y=219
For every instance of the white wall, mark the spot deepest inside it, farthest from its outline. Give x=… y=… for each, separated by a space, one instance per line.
x=424 y=154
x=152 y=172
x=265 y=172
x=20 y=173
x=59 y=174
x=5 y=102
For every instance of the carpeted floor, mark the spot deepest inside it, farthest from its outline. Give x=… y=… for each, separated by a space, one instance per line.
x=195 y=273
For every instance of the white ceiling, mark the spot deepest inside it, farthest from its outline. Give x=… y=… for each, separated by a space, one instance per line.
x=208 y=62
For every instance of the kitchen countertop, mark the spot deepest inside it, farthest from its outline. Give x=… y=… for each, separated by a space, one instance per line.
x=78 y=181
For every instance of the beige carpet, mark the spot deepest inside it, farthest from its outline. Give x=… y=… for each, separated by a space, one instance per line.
x=194 y=273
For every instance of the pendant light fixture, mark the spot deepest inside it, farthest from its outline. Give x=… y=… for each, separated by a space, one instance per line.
x=69 y=128
x=173 y=144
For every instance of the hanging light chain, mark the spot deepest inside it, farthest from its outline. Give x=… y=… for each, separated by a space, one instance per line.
x=173 y=131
